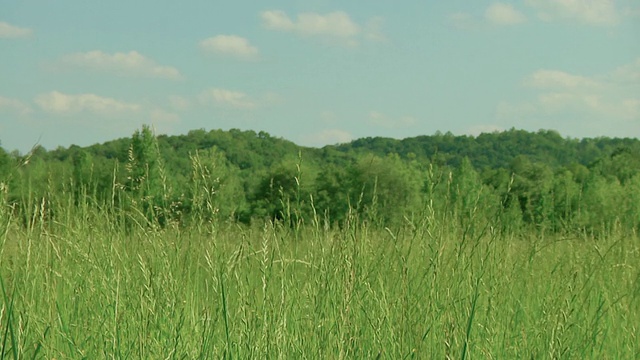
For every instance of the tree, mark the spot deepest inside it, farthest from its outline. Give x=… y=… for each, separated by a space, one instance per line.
x=331 y=196
x=532 y=186
x=215 y=190
x=82 y=173
x=4 y=163
x=384 y=189
x=146 y=181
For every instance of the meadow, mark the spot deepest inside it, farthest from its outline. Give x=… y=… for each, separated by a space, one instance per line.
x=147 y=253
x=82 y=285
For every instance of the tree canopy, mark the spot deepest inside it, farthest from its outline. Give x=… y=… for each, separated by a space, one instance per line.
x=540 y=178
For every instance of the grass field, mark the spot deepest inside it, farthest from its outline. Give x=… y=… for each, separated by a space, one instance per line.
x=84 y=287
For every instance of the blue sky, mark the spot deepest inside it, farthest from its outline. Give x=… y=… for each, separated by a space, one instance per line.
x=316 y=72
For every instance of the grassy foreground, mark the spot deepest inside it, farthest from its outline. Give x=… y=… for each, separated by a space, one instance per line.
x=81 y=287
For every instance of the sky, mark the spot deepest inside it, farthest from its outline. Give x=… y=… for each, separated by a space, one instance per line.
x=316 y=72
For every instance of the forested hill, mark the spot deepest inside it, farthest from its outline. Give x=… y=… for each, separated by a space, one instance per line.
x=495 y=150
x=248 y=149
x=540 y=177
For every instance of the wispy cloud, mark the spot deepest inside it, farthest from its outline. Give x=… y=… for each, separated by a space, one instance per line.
x=497 y=14
x=14 y=106
x=373 y=29
x=337 y=25
x=179 y=103
x=163 y=117
x=333 y=24
x=379 y=119
x=61 y=103
x=227 y=98
x=592 y=12
x=550 y=79
x=124 y=64
x=503 y=14
x=462 y=21
x=485 y=128
x=326 y=137
x=11 y=31
x=105 y=113
x=231 y=45
x=628 y=73
x=612 y=97
x=234 y=99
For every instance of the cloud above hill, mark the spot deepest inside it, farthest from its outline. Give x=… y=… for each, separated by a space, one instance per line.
x=337 y=26
x=14 y=106
x=60 y=103
x=11 y=31
x=503 y=14
x=227 y=98
x=230 y=45
x=327 y=136
x=597 y=101
x=131 y=63
x=592 y=12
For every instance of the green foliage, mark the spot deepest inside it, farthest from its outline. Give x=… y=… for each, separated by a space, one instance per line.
x=623 y=164
x=146 y=179
x=214 y=190
x=85 y=287
x=384 y=189
x=4 y=163
x=510 y=180
x=237 y=244
x=83 y=182
x=332 y=198
x=533 y=187
x=284 y=192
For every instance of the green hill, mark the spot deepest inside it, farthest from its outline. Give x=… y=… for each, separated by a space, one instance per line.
x=541 y=177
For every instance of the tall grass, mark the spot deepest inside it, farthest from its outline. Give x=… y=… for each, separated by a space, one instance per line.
x=84 y=284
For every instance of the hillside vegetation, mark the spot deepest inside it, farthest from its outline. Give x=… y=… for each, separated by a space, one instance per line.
x=540 y=180
x=235 y=244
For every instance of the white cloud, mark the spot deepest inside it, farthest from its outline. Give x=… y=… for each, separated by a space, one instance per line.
x=179 y=103
x=612 y=98
x=333 y=24
x=270 y=99
x=373 y=29
x=159 y=116
x=496 y=14
x=329 y=117
x=336 y=25
x=506 y=110
x=326 y=137
x=162 y=121
x=462 y=21
x=380 y=119
x=60 y=103
x=593 y=12
x=554 y=101
x=131 y=63
x=277 y=20
x=503 y=14
x=10 y=31
x=630 y=109
x=229 y=98
x=486 y=128
x=14 y=106
x=602 y=105
x=558 y=79
x=629 y=73
x=226 y=98
x=230 y=45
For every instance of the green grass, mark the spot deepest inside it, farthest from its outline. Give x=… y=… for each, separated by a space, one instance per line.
x=83 y=287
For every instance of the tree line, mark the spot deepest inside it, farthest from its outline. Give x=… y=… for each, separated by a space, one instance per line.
x=504 y=181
